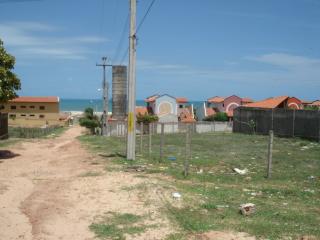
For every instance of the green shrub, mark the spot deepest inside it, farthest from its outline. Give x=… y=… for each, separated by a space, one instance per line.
x=89 y=120
x=147 y=118
x=219 y=117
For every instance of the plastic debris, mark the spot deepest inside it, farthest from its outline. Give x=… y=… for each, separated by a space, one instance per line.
x=176 y=195
x=200 y=171
x=247 y=209
x=241 y=172
x=172 y=158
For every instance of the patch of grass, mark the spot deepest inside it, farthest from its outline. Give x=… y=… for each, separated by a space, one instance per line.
x=91 y=174
x=50 y=132
x=115 y=226
x=8 y=142
x=287 y=204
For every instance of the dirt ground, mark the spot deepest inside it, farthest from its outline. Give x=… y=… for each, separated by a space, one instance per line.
x=47 y=193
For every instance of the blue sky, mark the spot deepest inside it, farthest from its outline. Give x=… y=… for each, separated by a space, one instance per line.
x=197 y=49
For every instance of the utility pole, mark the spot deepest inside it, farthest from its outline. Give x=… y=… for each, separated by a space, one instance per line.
x=105 y=97
x=131 y=137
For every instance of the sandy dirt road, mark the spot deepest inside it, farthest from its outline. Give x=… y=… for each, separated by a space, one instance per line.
x=44 y=193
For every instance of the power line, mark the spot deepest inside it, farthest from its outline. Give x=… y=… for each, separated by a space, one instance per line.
x=145 y=16
x=122 y=37
x=138 y=28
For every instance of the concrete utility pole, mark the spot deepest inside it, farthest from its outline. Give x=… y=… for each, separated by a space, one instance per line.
x=131 y=137
x=105 y=97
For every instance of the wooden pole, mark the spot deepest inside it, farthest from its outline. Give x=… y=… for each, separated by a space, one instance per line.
x=141 y=137
x=293 y=121
x=270 y=148
x=161 y=141
x=150 y=139
x=187 y=156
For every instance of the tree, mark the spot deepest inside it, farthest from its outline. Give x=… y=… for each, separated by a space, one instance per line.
x=146 y=118
x=89 y=120
x=219 y=117
x=9 y=82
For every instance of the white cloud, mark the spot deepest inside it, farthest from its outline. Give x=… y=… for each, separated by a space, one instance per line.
x=286 y=60
x=286 y=69
x=30 y=40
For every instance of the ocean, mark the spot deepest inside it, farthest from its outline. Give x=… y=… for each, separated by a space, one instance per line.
x=67 y=105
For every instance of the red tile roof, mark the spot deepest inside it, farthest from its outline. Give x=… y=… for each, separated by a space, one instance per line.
x=216 y=99
x=210 y=112
x=247 y=100
x=141 y=110
x=181 y=100
x=268 y=103
x=151 y=98
x=316 y=103
x=186 y=116
x=36 y=100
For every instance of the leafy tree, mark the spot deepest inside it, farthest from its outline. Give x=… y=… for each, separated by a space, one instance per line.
x=146 y=118
x=89 y=120
x=9 y=82
x=312 y=108
x=219 y=117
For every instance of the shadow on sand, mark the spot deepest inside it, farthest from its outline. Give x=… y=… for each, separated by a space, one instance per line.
x=6 y=154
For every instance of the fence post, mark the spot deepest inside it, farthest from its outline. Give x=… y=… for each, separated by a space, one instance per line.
x=150 y=139
x=293 y=121
x=214 y=125
x=271 y=119
x=161 y=141
x=186 y=162
x=270 y=148
x=141 y=137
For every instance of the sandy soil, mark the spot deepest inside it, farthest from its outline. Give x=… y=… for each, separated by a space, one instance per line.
x=46 y=193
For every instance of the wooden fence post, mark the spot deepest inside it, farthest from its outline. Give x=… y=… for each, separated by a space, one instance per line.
x=161 y=141
x=186 y=161
x=150 y=138
x=141 y=137
x=293 y=121
x=270 y=148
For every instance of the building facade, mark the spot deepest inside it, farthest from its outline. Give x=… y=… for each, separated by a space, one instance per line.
x=32 y=111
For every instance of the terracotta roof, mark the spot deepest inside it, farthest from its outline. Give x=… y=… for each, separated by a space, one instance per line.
x=216 y=99
x=210 y=112
x=181 y=100
x=316 y=103
x=268 y=103
x=186 y=116
x=141 y=110
x=246 y=100
x=305 y=101
x=151 y=98
x=36 y=99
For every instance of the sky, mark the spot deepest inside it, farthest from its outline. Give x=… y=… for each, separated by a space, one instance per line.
x=196 y=49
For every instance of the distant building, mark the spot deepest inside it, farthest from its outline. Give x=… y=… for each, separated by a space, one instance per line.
x=33 y=111
x=221 y=104
x=316 y=104
x=170 y=109
x=278 y=102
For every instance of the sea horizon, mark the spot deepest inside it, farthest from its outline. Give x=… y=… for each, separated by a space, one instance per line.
x=78 y=104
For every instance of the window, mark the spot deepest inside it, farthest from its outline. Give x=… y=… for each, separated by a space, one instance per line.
x=23 y=115
x=23 y=106
x=31 y=106
x=180 y=106
x=1 y=107
x=13 y=107
x=42 y=107
x=12 y=116
x=41 y=116
x=31 y=115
